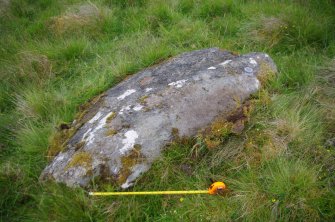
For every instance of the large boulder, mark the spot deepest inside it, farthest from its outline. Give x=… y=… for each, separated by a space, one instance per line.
x=126 y=130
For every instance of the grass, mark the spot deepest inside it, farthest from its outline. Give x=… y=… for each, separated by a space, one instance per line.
x=54 y=59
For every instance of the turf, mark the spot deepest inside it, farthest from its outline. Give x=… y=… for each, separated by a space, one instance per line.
x=279 y=168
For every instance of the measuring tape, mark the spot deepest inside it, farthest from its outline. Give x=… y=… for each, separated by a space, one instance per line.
x=215 y=188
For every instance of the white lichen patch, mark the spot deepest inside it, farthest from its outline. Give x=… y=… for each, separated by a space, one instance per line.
x=103 y=121
x=138 y=107
x=60 y=157
x=91 y=133
x=91 y=136
x=252 y=61
x=136 y=172
x=225 y=62
x=124 y=108
x=85 y=134
x=95 y=118
x=115 y=169
x=148 y=89
x=179 y=83
x=257 y=84
x=266 y=56
x=126 y=93
x=126 y=185
x=212 y=67
x=129 y=141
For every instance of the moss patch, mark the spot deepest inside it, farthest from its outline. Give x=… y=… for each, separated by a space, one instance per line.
x=83 y=159
x=134 y=157
x=223 y=127
x=143 y=99
x=79 y=145
x=111 y=132
x=111 y=117
x=265 y=74
x=218 y=131
x=57 y=142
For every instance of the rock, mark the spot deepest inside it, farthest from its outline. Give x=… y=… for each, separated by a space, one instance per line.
x=330 y=143
x=126 y=130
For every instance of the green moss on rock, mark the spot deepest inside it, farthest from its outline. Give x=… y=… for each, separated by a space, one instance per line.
x=83 y=159
x=134 y=157
x=57 y=142
x=143 y=99
x=111 y=132
x=111 y=117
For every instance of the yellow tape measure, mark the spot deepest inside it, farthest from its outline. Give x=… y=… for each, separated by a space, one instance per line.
x=215 y=188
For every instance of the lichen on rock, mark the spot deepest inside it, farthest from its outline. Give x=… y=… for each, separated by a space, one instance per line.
x=83 y=159
x=120 y=134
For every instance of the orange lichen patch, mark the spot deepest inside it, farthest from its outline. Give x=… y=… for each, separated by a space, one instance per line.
x=111 y=117
x=134 y=157
x=83 y=159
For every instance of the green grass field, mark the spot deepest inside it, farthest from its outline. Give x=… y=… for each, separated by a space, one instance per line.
x=54 y=60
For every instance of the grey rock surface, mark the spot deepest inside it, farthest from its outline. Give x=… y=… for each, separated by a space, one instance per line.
x=132 y=122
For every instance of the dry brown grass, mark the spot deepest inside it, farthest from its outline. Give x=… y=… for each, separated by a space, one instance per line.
x=325 y=88
x=266 y=30
x=76 y=17
x=35 y=67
